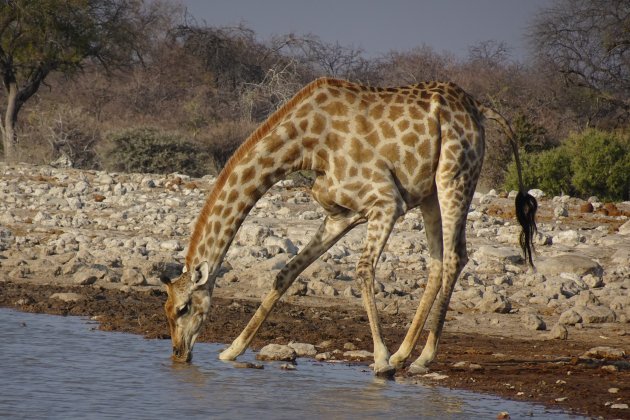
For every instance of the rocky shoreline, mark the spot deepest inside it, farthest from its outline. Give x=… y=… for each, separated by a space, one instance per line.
x=61 y=227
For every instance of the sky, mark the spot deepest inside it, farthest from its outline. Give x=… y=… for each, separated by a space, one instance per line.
x=379 y=26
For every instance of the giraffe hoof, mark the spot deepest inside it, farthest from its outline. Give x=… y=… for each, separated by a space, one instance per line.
x=386 y=371
x=396 y=362
x=417 y=369
x=227 y=355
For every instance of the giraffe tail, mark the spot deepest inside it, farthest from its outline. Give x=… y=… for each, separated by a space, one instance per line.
x=526 y=204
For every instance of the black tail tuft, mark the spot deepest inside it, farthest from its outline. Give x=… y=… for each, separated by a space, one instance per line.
x=526 y=207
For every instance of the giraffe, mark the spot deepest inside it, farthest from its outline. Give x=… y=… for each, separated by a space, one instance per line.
x=376 y=153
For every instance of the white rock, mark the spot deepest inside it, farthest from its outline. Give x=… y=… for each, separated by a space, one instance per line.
x=494 y=302
x=595 y=314
x=559 y=332
x=303 y=349
x=569 y=317
x=625 y=228
x=132 y=276
x=277 y=352
x=172 y=245
x=533 y=322
x=505 y=254
x=568 y=263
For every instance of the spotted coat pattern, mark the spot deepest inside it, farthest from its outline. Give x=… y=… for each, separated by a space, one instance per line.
x=377 y=152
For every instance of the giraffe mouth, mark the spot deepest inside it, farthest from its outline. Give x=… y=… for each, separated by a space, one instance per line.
x=181 y=355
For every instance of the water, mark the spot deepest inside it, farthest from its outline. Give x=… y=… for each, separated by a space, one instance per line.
x=63 y=367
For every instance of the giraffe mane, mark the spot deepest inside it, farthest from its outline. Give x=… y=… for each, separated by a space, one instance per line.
x=263 y=129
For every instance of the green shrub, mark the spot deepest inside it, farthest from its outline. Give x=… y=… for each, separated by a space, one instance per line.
x=590 y=163
x=154 y=151
x=549 y=170
x=600 y=162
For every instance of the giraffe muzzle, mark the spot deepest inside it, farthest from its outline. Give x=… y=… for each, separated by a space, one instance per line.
x=180 y=355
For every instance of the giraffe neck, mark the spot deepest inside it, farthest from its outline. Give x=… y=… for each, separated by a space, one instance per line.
x=239 y=186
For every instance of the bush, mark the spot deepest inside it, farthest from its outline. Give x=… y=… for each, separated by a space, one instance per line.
x=549 y=170
x=590 y=163
x=154 y=151
x=600 y=162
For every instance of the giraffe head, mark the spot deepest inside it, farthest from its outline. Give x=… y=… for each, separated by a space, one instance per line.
x=187 y=307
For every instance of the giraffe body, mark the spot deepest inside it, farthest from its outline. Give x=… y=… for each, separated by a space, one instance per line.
x=377 y=153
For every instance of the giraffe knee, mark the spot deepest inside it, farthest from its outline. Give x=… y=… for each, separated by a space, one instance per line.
x=364 y=276
x=282 y=281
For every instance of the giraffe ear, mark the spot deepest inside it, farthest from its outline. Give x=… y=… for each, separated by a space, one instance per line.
x=200 y=275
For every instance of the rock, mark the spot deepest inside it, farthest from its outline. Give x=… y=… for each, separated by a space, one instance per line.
x=570 y=317
x=87 y=276
x=277 y=352
x=283 y=243
x=171 y=245
x=595 y=314
x=568 y=237
x=504 y=254
x=625 y=228
x=536 y=193
x=494 y=302
x=533 y=322
x=303 y=349
x=604 y=352
x=568 y=263
x=358 y=355
x=67 y=297
x=132 y=276
x=559 y=332
x=560 y=211
x=586 y=298
x=252 y=234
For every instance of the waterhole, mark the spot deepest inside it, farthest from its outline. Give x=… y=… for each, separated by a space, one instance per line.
x=64 y=367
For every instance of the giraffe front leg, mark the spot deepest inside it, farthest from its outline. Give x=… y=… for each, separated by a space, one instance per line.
x=365 y=278
x=433 y=228
x=380 y=224
x=329 y=232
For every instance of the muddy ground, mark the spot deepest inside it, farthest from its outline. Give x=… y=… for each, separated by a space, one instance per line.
x=550 y=372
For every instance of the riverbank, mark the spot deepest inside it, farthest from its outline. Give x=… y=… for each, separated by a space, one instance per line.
x=105 y=239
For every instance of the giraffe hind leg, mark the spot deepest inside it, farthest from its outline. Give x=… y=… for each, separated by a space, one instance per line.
x=330 y=231
x=454 y=259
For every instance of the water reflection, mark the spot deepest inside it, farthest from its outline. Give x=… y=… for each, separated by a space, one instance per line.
x=55 y=367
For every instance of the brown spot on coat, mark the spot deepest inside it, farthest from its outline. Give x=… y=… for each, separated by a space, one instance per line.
x=390 y=152
x=319 y=123
x=358 y=152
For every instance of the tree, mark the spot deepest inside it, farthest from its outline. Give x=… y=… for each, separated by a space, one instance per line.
x=38 y=37
x=588 y=43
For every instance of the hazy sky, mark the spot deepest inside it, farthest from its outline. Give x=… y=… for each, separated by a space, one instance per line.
x=378 y=26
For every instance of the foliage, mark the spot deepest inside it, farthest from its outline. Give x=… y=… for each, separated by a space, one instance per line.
x=549 y=170
x=600 y=162
x=593 y=162
x=154 y=151
x=38 y=37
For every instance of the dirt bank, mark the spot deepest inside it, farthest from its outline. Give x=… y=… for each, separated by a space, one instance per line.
x=550 y=372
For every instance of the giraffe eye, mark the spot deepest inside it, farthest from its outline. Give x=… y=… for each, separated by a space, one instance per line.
x=183 y=310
